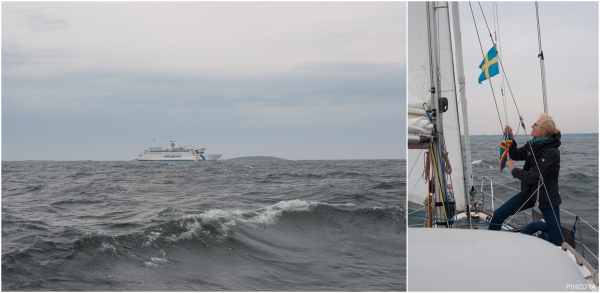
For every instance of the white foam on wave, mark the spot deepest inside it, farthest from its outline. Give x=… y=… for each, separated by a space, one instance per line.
x=150 y=238
x=191 y=231
x=155 y=262
x=339 y=204
x=158 y=259
x=269 y=214
x=225 y=221
x=107 y=247
x=477 y=162
x=150 y=264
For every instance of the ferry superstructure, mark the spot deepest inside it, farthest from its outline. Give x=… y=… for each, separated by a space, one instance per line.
x=177 y=153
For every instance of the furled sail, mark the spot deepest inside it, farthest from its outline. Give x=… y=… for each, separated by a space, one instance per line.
x=419 y=70
x=419 y=84
x=430 y=66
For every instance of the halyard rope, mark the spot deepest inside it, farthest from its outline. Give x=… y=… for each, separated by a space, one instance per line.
x=517 y=108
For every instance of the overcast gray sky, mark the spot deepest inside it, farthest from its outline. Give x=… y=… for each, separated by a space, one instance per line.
x=569 y=34
x=104 y=80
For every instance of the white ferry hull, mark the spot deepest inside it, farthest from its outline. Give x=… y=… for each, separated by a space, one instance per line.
x=176 y=154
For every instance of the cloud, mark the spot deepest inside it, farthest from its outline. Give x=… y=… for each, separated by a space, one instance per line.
x=284 y=77
x=36 y=21
x=322 y=95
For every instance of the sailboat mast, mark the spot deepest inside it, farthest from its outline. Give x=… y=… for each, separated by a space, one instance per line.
x=435 y=90
x=463 y=98
x=435 y=64
x=541 y=56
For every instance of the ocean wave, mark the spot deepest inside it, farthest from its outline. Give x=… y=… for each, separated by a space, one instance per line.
x=395 y=213
x=126 y=226
x=80 y=175
x=386 y=185
x=485 y=163
x=216 y=224
x=74 y=201
x=302 y=176
x=580 y=177
x=341 y=174
x=157 y=262
x=334 y=174
x=263 y=236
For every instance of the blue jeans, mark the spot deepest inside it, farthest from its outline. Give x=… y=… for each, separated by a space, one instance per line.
x=512 y=206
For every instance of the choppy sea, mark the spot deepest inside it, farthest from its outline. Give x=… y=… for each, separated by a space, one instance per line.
x=218 y=226
x=578 y=184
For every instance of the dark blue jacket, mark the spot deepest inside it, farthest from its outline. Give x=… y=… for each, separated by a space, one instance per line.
x=547 y=156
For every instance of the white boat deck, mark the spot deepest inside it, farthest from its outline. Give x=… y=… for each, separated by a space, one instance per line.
x=482 y=260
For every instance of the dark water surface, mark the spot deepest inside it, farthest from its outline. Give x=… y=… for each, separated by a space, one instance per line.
x=267 y=225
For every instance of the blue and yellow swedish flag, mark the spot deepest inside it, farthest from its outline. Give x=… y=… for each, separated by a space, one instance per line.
x=489 y=65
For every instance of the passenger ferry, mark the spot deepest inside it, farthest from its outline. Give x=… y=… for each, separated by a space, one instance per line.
x=177 y=153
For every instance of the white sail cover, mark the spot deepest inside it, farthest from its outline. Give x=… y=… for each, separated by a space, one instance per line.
x=419 y=85
x=419 y=72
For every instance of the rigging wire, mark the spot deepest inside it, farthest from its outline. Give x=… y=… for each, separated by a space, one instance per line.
x=531 y=144
x=581 y=219
x=503 y=77
x=436 y=154
x=411 y=170
x=501 y=66
x=541 y=56
x=562 y=210
x=483 y=55
x=537 y=16
x=462 y=221
x=541 y=178
x=583 y=245
x=435 y=167
x=499 y=43
x=503 y=73
x=429 y=212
